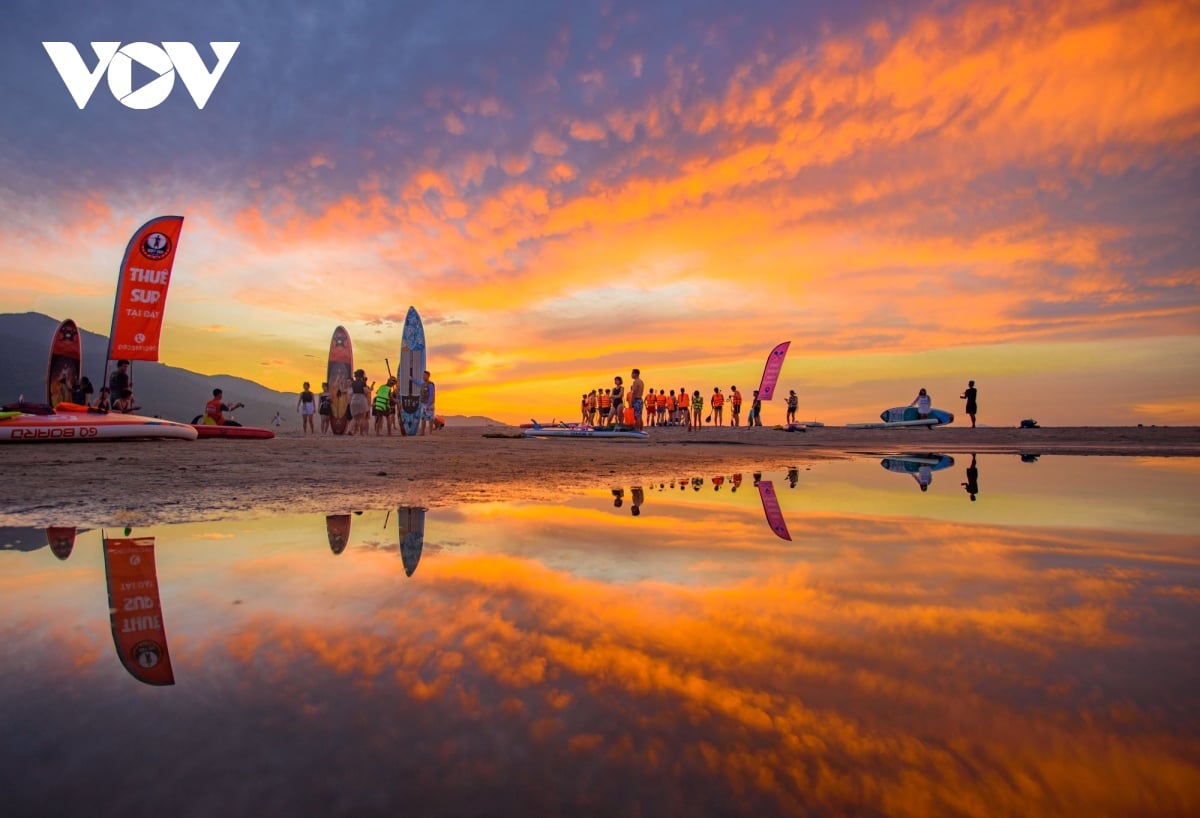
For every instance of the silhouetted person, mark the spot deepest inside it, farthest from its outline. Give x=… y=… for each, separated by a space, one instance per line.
x=969 y=396
x=972 y=484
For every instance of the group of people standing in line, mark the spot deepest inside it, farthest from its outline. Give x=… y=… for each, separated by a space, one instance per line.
x=641 y=407
x=366 y=401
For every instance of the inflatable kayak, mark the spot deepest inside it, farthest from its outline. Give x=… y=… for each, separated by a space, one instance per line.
x=76 y=423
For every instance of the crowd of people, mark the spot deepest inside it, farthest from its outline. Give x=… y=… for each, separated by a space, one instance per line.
x=639 y=407
x=613 y=407
x=383 y=403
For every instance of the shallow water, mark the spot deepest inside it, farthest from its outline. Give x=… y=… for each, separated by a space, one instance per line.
x=670 y=649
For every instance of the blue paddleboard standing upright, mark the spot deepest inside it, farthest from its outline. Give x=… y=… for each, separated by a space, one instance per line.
x=412 y=365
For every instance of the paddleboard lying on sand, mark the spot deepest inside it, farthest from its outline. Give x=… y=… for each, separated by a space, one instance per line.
x=585 y=432
x=910 y=462
x=901 y=416
x=242 y=432
x=72 y=426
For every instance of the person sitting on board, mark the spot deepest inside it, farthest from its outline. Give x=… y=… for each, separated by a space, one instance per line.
x=103 y=404
x=923 y=403
x=215 y=409
x=125 y=404
x=428 y=396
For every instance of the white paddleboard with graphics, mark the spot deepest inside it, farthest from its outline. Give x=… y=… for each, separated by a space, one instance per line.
x=412 y=365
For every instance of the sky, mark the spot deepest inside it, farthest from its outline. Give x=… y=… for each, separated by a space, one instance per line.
x=912 y=194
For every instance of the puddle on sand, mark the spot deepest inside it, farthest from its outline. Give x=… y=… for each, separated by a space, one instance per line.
x=827 y=640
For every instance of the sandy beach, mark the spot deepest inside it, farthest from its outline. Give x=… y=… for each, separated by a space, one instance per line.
x=140 y=482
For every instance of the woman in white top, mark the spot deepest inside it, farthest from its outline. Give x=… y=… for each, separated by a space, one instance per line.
x=922 y=402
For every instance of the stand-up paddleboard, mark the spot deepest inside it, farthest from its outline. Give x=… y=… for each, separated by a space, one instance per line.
x=901 y=416
x=78 y=424
x=910 y=462
x=412 y=537
x=61 y=540
x=66 y=363
x=337 y=528
x=338 y=374
x=412 y=365
x=208 y=430
x=585 y=432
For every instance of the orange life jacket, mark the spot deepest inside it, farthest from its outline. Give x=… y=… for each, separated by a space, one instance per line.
x=605 y=400
x=718 y=400
x=212 y=412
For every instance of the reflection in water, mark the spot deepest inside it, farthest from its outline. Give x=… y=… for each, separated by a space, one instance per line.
x=766 y=491
x=919 y=465
x=134 y=611
x=904 y=655
x=412 y=537
x=62 y=540
x=972 y=484
x=337 y=528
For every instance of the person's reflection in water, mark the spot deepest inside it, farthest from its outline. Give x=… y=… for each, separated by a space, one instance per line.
x=735 y=481
x=757 y=477
x=697 y=482
x=972 y=484
x=923 y=476
x=637 y=497
x=717 y=482
x=618 y=497
x=793 y=476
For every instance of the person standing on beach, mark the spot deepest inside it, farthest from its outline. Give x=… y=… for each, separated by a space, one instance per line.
x=617 y=397
x=324 y=408
x=360 y=404
x=697 y=410
x=793 y=403
x=428 y=396
x=717 y=401
x=119 y=380
x=636 y=390
x=969 y=396
x=306 y=405
x=382 y=408
x=755 y=416
x=923 y=402
x=735 y=406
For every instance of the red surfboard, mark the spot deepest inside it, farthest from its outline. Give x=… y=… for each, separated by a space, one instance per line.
x=66 y=362
x=337 y=527
x=338 y=374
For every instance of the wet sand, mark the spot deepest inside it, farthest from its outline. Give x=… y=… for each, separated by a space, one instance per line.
x=140 y=482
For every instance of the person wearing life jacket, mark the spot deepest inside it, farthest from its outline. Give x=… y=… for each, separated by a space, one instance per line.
x=662 y=407
x=215 y=409
x=651 y=407
x=718 y=407
x=381 y=408
x=735 y=406
x=605 y=406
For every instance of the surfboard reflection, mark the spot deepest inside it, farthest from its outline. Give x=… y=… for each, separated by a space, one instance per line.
x=918 y=465
x=337 y=528
x=412 y=536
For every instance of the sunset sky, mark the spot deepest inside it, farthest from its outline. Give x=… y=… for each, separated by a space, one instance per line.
x=912 y=194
